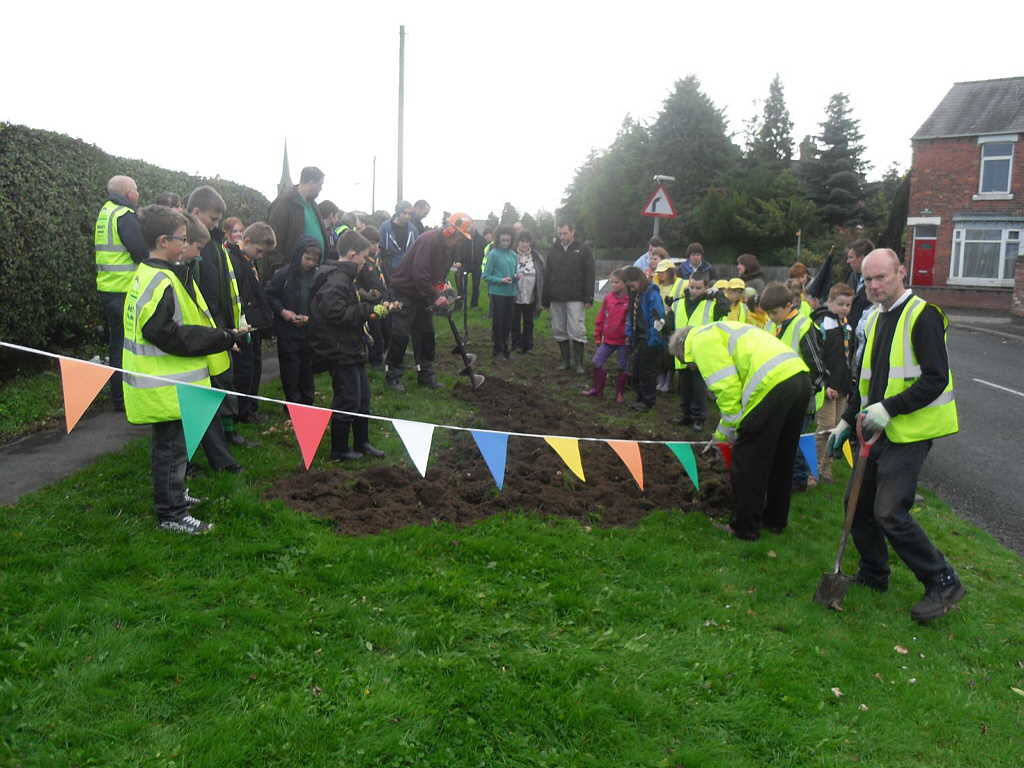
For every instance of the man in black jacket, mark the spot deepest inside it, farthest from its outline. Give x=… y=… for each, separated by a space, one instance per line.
x=293 y=215
x=569 y=292
x=337 y=318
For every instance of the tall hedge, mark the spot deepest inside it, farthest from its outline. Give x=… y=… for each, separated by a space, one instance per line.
x=51 y=188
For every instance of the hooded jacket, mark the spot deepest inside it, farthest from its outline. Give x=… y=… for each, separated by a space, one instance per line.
x=285 y=292
x=392 y=252
x=336 y=315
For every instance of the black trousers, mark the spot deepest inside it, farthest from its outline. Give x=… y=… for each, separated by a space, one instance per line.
x=351 y=393
x=113 y=312
x=168 y=458
x=243 y=367
x=501 y=322
x=523 y=316
x=475 y=272
x=296 y=359
x=645 y=372
x=413 y=322
x=380 y=332
x=248 y=406
x=693 y=394
x=883 y=513
x=763 y=455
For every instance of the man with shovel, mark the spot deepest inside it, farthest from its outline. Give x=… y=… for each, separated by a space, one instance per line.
x=905 y=392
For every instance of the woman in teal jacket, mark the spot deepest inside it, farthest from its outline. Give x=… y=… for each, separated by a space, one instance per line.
x=500 y=276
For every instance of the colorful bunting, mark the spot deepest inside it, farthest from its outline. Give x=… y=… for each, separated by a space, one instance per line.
x=629 y=452
x=601 y=284
x=198 y=406
x=309 y=424
x=494 y=448
x=848 y=453
x=416 y=436
x=82 y=382
x=568 y=448
x=807 y=448
x=726 y=449
x=684 y=452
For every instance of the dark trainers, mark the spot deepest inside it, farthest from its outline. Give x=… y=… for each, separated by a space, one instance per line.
x=396 y=384
x=432 y=384
x=937 y=601
x=191 y=500
x=186 y=524
x=878 y=585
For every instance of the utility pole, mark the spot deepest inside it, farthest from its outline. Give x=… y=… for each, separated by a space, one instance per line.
x=401 y=106
x=373 y=191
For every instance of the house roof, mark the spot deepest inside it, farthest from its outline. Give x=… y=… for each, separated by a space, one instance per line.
x=977 y=108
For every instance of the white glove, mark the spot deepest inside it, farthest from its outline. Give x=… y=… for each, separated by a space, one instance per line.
x=876 y=418
x=659 y=324
x=836 y=438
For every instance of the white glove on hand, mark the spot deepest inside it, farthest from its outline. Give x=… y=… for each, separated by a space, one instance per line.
x=839 y=435
x=876 y=418
x=659 y=324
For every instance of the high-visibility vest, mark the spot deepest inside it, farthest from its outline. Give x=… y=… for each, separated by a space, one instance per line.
x=147 y=401
x=740 y=364
x=114 y=265
x=799 y=327
x=702 y=314
x=487 y=250
x=339 y=229
x=805 y=309
x=739 y=313
x=936 y=419
x=236 y=301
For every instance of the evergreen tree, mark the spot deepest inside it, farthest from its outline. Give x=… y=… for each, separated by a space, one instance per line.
x=492 y=220
x=509 y=215
x=774 y=140
x=836 y=175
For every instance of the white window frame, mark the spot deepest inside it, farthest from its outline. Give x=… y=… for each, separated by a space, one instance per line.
x=960 y=228
x=1010 y=139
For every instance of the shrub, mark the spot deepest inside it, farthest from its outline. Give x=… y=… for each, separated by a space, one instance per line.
x=51 y=188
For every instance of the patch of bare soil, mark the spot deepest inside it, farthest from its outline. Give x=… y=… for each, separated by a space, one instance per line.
x=458 y=487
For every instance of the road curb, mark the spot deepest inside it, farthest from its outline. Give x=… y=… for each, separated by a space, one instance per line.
x=989 y=331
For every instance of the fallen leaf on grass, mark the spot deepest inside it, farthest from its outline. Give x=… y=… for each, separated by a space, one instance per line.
x=1018 y=691
x=863 y=707
x=878 y=677
x=771 y=553
x=836 y=692
x=900 y=649
x=912 y=680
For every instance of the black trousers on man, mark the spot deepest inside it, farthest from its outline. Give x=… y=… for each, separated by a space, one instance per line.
x=113 y=312
x=413 y=322
x=883 y=513
x=763 y=455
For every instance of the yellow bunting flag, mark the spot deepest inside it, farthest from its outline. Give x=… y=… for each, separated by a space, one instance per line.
x=82 y=382
x=629 y=452
x=848 y=453
x=569 y=449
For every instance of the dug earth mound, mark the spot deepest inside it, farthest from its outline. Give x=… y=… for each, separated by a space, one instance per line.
x=365 y=498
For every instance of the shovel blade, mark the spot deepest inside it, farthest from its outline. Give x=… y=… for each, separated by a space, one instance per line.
x=832 y=589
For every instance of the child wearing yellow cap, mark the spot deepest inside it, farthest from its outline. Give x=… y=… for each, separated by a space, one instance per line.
x=734 y=290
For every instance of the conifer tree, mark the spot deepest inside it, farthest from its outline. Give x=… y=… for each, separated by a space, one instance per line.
x=836 y=175
x=774 y=138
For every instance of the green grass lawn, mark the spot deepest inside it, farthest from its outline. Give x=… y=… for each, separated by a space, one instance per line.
x=521 y=641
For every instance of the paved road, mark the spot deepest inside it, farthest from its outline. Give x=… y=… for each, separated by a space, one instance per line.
x=980 y=471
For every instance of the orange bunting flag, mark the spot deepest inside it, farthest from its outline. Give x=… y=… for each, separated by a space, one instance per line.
x=629 y=452
x=568 y=448
x=82 y=382
x=309 y=424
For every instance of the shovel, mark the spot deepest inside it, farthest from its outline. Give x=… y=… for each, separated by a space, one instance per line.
x=832 y=587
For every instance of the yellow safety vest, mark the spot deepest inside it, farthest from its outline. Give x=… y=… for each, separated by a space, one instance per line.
x=697 y=318
x=805 y=309
x=236 y=301
x=739 y=313
x=114 y=265
x=146 y=400
x=740 y=364
x=792 y=336
x=938 y=418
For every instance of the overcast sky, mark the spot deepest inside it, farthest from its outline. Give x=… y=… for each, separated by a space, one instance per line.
x=503 y=100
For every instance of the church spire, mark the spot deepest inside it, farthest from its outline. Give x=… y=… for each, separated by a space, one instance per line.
x=286 y=176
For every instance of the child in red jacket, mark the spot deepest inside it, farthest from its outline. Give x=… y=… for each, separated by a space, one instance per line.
x=610 y=335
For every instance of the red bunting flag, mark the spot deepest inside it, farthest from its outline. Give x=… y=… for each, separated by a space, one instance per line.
x=82 y=382
x=726 y=449
x=309 y=424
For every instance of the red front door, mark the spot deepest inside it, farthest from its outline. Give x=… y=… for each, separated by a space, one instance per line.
x=924 y=261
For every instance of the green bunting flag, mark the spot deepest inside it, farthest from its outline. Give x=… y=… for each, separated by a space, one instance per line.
x=198 y=406
x=684 y=452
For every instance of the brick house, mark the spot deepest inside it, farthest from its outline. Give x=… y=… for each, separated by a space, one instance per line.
x=966 y=212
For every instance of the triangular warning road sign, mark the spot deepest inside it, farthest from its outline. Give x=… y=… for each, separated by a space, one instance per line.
x=660 y=205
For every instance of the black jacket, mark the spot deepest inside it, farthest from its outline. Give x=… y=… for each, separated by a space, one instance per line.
x=285 y=292
x=182 y=340
x=255 y=306
x=336 y=315
x=129 y=231
x=288 y=219
x=839 y=342
x=371 y=276
x=211 y=271
x=569 y=274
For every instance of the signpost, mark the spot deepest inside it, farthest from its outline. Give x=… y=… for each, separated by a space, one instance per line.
x=660 y=205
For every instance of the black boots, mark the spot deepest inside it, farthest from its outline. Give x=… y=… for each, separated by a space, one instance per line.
x=339 y=442
x=361 y=439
